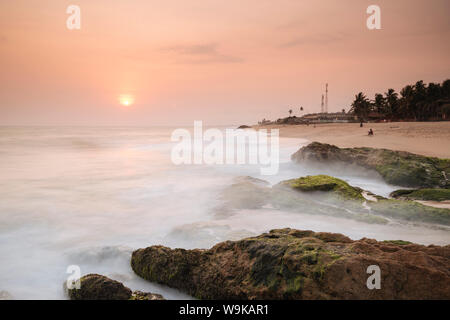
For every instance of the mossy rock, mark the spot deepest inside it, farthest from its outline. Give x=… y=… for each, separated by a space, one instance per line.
x=423 y=194
x=410 y=211
x=337 y=198
x=350 y=200
x=397 y=242
x=98 y=287
x=274 y=265
x=396 y=167
x=299 y=264
x=325 y=183
x=284 y=197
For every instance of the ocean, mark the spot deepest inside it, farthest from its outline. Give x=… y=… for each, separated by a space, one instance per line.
x=89 y=196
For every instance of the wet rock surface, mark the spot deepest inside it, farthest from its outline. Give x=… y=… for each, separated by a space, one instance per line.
x=98 y=287
x=422 y=194
x=326 y=195
x=296 y=264
x=396 y=167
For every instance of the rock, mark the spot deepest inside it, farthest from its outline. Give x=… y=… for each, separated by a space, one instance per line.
x=398 y=242
x=410 y=211
x=396 y=167
x=350 y=198
x=325 y=183
x=138 y=295
x=423 y=194
x=244 y=193
x=98 y=287
x=295 y=264
x=325 y=195
x=252 y=193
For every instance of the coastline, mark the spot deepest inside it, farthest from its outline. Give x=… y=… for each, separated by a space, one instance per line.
x=424 y=138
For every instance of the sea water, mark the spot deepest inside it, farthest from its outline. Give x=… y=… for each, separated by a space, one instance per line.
x=89 y=196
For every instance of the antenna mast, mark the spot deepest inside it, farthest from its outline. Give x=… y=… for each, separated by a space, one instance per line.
x=326 y=98
x=321 y=106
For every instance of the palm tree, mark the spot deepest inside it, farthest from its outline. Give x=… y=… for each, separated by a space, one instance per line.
x=446 y=89
x=379 y=103
x=361 y=106
x=433 y=97
x=406 y=105
x=419 y=102
x=290 y=112
x=391 y=98
x=419 y=96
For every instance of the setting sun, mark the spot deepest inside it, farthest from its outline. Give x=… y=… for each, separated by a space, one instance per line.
x=126 y=100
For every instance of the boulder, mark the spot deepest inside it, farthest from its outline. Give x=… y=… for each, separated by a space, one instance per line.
x=423 y=194
x=325 y=183
x=245 y=193
x=98 y=287
x=296 y=264
x=348 y=198
x=396 y=167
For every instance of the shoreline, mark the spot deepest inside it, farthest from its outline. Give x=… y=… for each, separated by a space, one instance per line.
x=424 y=138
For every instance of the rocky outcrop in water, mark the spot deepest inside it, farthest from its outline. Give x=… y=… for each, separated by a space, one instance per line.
x=396 y=167
x=294 y=264
x=244 y=193
x=98 y=287
x=325 y=195
x=350 y=199
x=325 y=183
x=422 y=194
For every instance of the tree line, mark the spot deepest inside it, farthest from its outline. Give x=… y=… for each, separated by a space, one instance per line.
x=418 y=102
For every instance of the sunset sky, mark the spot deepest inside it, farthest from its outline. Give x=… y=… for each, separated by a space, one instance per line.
x=143 y=62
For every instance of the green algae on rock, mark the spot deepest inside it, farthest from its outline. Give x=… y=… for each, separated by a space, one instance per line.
x=396 y=167
x=325 y=183
x=410 y=211
x=296 y=264
x=398 y=242
x=337 y=199
x=423 y=194
x=326 y=195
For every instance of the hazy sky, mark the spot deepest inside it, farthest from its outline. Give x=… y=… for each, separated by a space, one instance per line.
x=223 y=62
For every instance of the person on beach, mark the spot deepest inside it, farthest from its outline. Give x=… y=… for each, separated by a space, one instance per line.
x=370 y=132
x=361 y=125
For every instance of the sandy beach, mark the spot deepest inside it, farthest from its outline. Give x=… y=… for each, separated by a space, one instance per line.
x=425 y=138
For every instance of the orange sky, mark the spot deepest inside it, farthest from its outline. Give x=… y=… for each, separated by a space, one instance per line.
x=223 y=62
